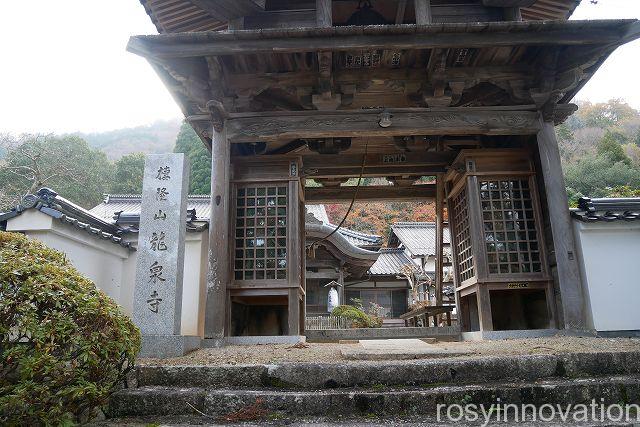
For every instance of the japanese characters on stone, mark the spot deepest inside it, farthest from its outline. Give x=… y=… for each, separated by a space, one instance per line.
x=160 y=255
x=158 y=240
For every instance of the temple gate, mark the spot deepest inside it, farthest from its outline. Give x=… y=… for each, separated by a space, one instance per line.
x=466 y=93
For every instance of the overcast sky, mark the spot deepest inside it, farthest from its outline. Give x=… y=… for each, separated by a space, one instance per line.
x=64 y=67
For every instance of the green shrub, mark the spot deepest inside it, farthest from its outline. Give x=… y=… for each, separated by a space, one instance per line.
x=64 y=344
x=359 y=318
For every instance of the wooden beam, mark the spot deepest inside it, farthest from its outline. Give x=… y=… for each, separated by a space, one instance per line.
x=370 y=193
x=324 y=17
x=374 y=172
x=394 y=162
x=365 y=123
x=508 y=3
x=170 y=46
x=323 y=275
x=249 y=83
x=423 y=12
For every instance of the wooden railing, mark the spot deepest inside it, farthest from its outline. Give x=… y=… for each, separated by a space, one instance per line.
x=319 y=323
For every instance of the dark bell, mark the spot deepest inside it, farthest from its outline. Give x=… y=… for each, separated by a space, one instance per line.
x=329 y=145
x=365 y=15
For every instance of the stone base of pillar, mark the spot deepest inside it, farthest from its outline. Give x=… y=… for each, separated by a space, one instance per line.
x=165 y=346
x=266 y=339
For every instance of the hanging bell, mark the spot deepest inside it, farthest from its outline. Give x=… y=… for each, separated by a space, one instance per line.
x=365 y=15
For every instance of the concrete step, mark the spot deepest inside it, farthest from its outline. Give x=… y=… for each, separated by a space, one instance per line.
x=449 y=371
x=229 y=404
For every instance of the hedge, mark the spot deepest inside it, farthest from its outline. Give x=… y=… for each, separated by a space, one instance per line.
x=359 y=318
x=65 y=345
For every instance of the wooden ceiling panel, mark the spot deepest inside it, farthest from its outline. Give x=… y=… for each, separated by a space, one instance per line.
x=174 y=16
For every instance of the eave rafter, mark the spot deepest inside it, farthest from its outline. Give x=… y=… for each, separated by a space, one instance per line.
x=562 y=55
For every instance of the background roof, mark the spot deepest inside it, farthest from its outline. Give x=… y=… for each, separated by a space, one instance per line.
x=418 y=237
x=390 y=262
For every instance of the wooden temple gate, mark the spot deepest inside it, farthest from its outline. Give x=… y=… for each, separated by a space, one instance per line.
x=295 y=92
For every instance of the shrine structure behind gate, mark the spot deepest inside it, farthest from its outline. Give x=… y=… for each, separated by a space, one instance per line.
x=465 y=91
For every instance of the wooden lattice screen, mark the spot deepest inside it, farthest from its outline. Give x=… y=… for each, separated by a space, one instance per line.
x=509 y=226
x=261 y=232
x=464 y=252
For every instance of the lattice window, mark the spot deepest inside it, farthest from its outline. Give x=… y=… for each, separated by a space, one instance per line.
x=509 y=226
x=261 y=232
x=464 y=252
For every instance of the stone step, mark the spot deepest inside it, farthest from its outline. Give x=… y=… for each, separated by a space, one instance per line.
x=393 y=323
x=451 y=371
x=229 y=404
x=368 y=420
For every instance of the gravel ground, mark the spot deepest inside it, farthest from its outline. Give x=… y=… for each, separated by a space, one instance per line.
x=330 y=353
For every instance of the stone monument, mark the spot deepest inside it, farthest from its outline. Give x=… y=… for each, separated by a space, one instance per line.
x=158 y=290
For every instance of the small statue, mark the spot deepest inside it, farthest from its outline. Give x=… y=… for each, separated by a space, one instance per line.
x=333 y=299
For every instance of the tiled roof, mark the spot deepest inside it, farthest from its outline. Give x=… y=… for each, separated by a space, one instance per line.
x=418 y=237
x=356 y=238
x=319 y=212
x=390 y=262
x=130 y=203
x=50 y=203
x=607 y=209
x=360 y=239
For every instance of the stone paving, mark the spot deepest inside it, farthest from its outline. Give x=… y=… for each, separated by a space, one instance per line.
x=397 y=349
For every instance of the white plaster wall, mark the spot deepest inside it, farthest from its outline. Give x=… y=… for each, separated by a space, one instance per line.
x=100 y=260
x=113 y=268
x=194 y=286
x=609 y=259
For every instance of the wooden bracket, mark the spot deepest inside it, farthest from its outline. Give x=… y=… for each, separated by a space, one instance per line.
x=218 y=114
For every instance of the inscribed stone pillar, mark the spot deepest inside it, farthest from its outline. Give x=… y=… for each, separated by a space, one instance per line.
x=219 y=267
x=572 y=299
x=160 y=265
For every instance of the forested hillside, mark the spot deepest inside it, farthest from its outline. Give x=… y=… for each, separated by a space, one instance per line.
x=158 y=137
x=600 y=149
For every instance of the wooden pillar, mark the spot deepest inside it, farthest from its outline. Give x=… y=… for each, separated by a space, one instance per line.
x=454 y=250
x=294 y=312
x=219 y=261
x=423 y=12
x=341 y=288
x=484 y=308
x=568 y=273
x=439 y=236
x=295 y=251
x=324 y=17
